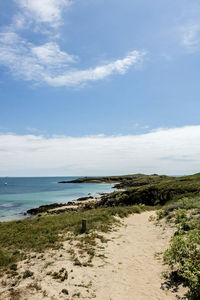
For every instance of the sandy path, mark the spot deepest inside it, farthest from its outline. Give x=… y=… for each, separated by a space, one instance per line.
x=132 y=272
x=129 y=271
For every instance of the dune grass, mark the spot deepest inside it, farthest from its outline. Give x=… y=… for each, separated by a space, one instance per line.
x=39 y=233
x=179 y=199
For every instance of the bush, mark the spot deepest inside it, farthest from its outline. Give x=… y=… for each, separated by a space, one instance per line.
x=160 y=214
x=27 y=274
x=183 y=255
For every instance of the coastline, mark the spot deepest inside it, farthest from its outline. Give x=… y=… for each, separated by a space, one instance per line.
x=126 y=190
x=23 y=194
x=120 y=241
x=79 y=203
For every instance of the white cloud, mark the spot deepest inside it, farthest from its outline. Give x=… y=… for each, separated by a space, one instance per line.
x=190 y=36
x=43 y=11
x=48 y=64
x=50 y=54
x=77 y=77
x=30 y=62
x=172 y=151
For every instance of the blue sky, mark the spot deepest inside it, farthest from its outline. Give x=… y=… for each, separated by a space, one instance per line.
x=104 y=71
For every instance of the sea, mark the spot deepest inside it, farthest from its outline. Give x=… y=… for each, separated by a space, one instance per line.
x=18 y=194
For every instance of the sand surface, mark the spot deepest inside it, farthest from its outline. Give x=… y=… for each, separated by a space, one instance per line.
x=75 y=206
x=126 y=268
x=70 y=206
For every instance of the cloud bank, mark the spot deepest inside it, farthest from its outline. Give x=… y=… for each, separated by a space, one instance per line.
x=171 y=151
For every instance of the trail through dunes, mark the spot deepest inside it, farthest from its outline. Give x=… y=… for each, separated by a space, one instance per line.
x=132 y=271
x=124 y=268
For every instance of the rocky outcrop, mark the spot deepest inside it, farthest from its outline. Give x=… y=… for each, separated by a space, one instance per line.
x=49 y=207
x=44 y=208
x=84 y=198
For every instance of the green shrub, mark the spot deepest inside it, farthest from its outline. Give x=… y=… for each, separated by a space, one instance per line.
x=13 y=267
x=180 y=215
x=184 y=256
x=27 y=274
x=160 y=214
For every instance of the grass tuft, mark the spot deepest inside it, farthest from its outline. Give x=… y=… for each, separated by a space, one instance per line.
x=40 y=233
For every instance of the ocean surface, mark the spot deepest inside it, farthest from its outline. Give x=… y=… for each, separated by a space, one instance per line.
x=18 y=194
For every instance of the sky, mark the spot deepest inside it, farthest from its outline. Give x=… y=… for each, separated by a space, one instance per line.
x=95 y=87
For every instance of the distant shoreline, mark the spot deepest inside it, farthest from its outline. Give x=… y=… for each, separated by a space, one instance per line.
x=23 y=194
x=128 y=190
x=120 y=183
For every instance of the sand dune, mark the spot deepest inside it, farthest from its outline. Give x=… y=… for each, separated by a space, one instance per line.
x=127 y=271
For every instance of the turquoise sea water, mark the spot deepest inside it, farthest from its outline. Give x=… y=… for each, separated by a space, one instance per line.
x=21 y=194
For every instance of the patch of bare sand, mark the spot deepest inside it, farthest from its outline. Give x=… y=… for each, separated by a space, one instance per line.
x=126 y=269
x=75 y=206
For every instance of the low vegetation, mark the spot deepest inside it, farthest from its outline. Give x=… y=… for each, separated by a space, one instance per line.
x=123 y=181
x=183 y=255
x=161 y=192
x=177 y=198
x=40 y=233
